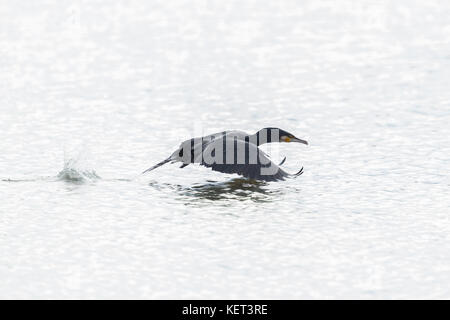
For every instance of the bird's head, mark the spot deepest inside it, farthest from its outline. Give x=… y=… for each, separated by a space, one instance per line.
x=272 y=134
x=289 y=137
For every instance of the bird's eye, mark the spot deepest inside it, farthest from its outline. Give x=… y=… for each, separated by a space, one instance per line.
x=180 y=153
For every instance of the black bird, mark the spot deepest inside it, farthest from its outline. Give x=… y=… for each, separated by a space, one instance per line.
x=235 y=152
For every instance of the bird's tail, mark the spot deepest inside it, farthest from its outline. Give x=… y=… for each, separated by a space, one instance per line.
x=157 y=165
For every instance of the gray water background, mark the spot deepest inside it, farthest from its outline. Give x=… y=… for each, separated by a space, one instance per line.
x=94 y=92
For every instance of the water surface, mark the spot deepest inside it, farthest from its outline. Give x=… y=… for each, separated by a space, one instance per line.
x=94 y=92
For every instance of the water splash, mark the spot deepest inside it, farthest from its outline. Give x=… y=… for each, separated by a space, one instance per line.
x=77 y=167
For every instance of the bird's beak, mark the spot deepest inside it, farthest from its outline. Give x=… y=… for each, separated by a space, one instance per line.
x=299 y=140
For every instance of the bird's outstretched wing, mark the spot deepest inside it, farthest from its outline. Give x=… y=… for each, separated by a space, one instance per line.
x=261 y=168
x=240 y=135
x=209 y=138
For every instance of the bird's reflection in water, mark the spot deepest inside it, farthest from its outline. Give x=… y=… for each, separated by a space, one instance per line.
x=235 y=189
x=241 y=189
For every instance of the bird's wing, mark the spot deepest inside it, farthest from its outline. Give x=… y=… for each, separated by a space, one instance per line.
x=233 y=133
x=199 y=144
x=242 y=158
x=211 y=137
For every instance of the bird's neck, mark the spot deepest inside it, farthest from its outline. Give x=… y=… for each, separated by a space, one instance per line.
x=261 y=137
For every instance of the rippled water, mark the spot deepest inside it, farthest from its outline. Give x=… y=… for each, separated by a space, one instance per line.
x=94 y=92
